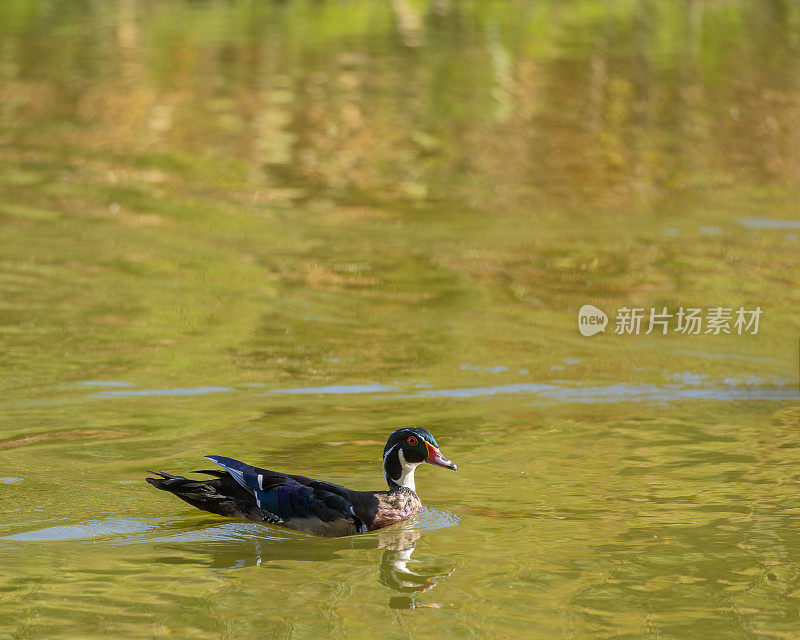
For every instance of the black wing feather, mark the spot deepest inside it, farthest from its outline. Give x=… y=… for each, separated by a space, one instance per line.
x=290 y=496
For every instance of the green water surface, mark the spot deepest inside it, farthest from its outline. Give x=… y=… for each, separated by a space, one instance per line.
x=277 y=231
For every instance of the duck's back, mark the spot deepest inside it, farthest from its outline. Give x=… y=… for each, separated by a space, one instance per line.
x=300 y=503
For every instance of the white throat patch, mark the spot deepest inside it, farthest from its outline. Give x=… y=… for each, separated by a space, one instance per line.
x=406 y=478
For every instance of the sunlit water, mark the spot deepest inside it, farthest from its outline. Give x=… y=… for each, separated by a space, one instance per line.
x=277 y=231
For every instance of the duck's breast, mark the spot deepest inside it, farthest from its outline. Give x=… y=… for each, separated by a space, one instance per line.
x=394 y=507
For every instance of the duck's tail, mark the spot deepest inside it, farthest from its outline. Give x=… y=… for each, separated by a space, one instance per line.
x=220 y=494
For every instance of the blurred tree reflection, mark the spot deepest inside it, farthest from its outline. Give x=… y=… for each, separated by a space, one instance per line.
x=488 y=103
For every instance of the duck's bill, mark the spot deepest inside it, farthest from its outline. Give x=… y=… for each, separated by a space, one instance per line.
x=435 y=457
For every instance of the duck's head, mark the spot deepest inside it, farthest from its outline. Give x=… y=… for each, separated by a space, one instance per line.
x=407 y=448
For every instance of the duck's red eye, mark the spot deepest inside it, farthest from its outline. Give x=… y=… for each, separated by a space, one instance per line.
x=412 y=441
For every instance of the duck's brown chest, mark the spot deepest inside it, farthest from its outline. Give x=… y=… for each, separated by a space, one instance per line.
x=394 y=507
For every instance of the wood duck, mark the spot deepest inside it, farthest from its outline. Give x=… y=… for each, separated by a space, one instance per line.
x=312 y=506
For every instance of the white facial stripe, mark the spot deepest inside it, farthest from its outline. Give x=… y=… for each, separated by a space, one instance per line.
x=388 y=452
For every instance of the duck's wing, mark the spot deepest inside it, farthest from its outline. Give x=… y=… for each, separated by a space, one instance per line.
x=313 y=506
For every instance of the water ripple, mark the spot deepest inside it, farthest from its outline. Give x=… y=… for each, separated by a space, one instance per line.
x=622 y=392
x=373 y=387
x=162 y=392
x=768 y=223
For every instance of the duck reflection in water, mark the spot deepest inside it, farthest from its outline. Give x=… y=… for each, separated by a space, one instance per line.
x=398 y=547
x=240 y=545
